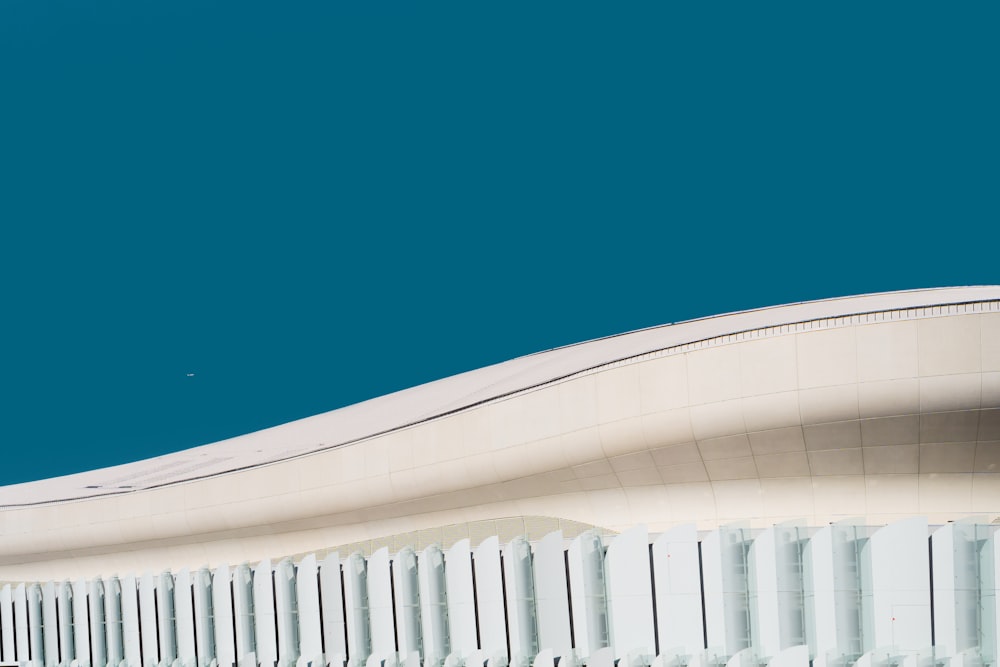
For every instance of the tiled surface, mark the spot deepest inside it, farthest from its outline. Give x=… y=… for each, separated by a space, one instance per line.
x=827 y=358
x=833 y=435
x=890 y=430
x=950 y=345
x=887 y=351
x=877 y=420
x=837 y=462
x=889 y=398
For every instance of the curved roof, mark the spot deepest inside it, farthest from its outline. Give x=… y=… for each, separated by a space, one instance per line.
x=879 y=407
x=435 y=399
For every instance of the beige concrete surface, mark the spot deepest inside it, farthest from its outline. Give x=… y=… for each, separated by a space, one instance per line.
x=877 y=407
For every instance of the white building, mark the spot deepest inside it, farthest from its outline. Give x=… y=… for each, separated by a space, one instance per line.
x=758 y=487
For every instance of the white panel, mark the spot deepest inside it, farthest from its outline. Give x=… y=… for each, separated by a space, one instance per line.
x=489 y=597
x=678 y=591
x=380 y=611
x=605 y=657
x=964 y=588
x=726 y=612
x=763 y=585
x=477 y=658
x=114 y=640
x=51 y=624
x=832 y=580
x=243 y=612
x=630 y=594
x=263 y=614
x=715 y=614
x=989 y=567
x=793 y=656
x=545 y=658
x=520 y=594
x=147 y=620
x=461 y=598
x=551 y=602
x=6 y=625
x=900 y=585
x=742 y=658
x=333 y=609
x=166 y=616
x=433 y=605
x=36 y=620
x=407 y=588
x=587 y=590
x=184 y=617
x=80 y=622
x=307 y=594
x=775 y=584
x=201 y=588
x=356 y=606
x=98 y=628
x=286 y=609
x=819 y=598
x=21 y=622
x=67 y=647
x=222 y=609
x=948 y=544
x=130 y=621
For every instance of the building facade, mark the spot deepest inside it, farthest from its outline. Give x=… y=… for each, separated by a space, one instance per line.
x=817 y=482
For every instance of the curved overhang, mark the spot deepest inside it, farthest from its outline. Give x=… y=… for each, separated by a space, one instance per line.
x=878 y=406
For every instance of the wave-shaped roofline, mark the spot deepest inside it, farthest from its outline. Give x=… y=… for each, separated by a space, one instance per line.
x=361 y=421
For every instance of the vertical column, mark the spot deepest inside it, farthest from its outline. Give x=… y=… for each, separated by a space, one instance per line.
x=630 y=594
x=147 y=620
x=6 y=625
x=113 y=632
x=489 y=598
x=461 y=599
x=98 y=623
x=520 y=593
x=956 y=588
x=204 y=617
x=433 y=606
x=777 y=618
x=245 y=611
x=130 y=621
x=356 y=604
x=333 y=610
x=989 y=569
x=677 y=578
x=50 y=624
x=551 y=600
x=21 y=623
x=587 y=588
x=222 y=607
x=380 y=611
x=900 y=585
x=165 y=617
x=286 y=608
x=263 y=615
x=184 y=619
x=832 y=592
x=36 y=623
x=404 y=577
x=244 y=616
x=307 y=593
x=724 y=553
x=80 y=621
x=64 y=614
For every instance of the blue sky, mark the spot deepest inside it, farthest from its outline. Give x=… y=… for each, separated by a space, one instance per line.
x=221 y=216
